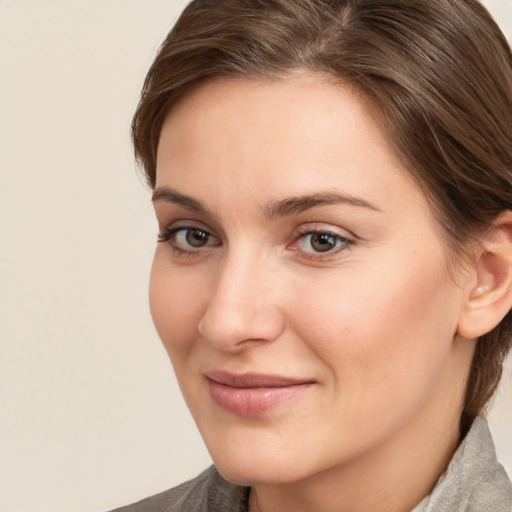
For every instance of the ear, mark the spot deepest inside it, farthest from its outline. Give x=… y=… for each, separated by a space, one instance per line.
x=489 y=294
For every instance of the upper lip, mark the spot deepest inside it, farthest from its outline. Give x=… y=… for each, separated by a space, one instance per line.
x=253 y=380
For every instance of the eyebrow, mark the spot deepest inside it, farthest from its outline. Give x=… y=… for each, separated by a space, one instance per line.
x=299 y=204
x=275 y=209
x=169 y=195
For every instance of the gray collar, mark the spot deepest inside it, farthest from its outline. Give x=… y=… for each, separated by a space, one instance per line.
x=474 y=481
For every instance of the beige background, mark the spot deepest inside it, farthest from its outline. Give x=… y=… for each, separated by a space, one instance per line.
x=90 y=415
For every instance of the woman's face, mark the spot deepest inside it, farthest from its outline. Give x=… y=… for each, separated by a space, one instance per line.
x=301 y=286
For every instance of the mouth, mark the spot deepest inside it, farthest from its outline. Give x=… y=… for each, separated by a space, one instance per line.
x=253 y=394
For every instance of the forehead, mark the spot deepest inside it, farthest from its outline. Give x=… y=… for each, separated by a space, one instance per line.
x=297 y=123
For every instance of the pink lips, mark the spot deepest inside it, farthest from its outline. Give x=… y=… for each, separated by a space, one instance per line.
x=252 y=394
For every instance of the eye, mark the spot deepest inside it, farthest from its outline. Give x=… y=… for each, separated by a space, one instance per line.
x=321 y=242
x=188 y=238
x=318 y=242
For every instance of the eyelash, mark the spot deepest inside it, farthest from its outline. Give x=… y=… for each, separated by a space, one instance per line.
x=169 y=235
x=345 y=243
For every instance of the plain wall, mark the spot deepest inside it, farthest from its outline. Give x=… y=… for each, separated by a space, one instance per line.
x=91 y=417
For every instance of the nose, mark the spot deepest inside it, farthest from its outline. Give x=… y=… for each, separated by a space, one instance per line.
x=244 y=305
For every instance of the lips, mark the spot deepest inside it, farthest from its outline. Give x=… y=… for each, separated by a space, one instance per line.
x=253 y=394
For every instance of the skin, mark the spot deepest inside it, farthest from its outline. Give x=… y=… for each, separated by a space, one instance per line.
x=371 y=323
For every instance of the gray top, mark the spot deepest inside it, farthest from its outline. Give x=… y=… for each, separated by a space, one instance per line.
x=473 y=482
x=208 y=492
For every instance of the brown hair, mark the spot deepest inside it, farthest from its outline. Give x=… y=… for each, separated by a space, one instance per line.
x=438 y=71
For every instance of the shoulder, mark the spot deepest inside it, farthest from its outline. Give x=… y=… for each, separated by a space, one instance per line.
x=208 y=492
x=491 y=489
x=474 y=480
x=492 y=494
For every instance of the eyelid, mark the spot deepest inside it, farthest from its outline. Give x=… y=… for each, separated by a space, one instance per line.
x=318 y=228
x=187 y=223
x=321 y=227
x=169 y=233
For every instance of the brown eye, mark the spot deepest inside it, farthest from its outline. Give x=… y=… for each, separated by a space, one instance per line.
x=318 y=242
x=323 y=242
x=197 y=237
x=188 y=239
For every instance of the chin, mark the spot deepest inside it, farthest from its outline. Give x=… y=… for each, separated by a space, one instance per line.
x=251 y=474
x=258 y=464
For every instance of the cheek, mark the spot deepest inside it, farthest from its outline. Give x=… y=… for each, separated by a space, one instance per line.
x=382 y=325
x=383 y=343
x=177 y=302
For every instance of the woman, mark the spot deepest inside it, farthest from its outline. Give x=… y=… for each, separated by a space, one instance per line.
x=333 y=185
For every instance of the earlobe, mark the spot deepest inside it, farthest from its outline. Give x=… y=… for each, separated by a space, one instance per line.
x=490 y=296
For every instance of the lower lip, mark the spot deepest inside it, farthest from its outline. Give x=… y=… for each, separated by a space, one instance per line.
x=253 y=401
